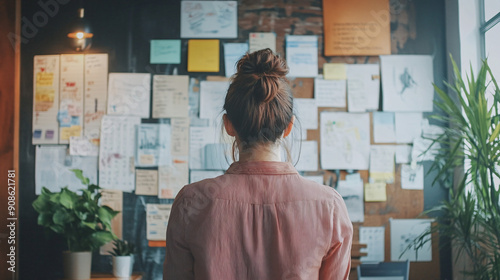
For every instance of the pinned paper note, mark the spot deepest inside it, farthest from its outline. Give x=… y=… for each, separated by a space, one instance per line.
x=375 y=192
x=262 y=40
x=302 y=55
x=172 y=178
x=352 y=193
x=306 y=112
x=157 y=216
x=212 y=97
x=209 y=19
x=304 y=155
x=53 y=167
x=330 y=93
x=146 y=182
x=383 y=127
x=374 y=238
x=412 y=177
x=71 y=95
x=129 y=94
x=363 y=87
x=408 y=126
x=95 y=97
x=170 y=96
x=334 y=71
x=46 y=99
x=203 y=56
x=403 y=233
x=403 y=154
x=407 y=83
x=82 y=146
x=232 y=53
x=153 y=145
x=316 y=178
x=382 y=163
x=345 y=140
x=165 y=52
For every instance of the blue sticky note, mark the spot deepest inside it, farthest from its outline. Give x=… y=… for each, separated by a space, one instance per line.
x=75 y=120
x=64 y=118
x=165 y=52
x=37 y=133
x=232 y=53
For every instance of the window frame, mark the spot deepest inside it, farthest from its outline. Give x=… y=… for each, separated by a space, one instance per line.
x=485 y=26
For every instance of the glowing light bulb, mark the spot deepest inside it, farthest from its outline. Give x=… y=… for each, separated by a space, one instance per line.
x=79 y=35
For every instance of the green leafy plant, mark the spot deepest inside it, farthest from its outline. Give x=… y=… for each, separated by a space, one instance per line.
x=78 y=218
x=122 y=248
x=470 y=219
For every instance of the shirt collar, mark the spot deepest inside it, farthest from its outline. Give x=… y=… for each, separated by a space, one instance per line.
x=261 y=167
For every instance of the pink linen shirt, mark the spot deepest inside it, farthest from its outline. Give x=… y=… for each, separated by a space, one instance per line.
x=260 y=220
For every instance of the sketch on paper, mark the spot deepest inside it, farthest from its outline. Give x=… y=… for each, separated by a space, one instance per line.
x=403 y=233
x=153 y=145
x=345 y=140
x=352 y=193
x=407 y=83
x=209 y=19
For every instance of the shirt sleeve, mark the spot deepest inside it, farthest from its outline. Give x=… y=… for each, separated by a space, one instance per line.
x=337 y=262
x=179 y=261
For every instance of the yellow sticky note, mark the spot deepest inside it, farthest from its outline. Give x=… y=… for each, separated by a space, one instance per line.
x=334 y=71
x=44 y=79
x=375 y=192
x=67 y=132
x=203 y=56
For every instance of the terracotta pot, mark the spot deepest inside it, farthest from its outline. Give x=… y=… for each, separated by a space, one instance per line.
x=76 y=265
x=123 y=265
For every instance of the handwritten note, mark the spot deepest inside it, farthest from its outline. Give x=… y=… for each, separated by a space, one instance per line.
x=209 y=19
x=172 y=178
x=212 y=97
x=71 y=95
x=116 y=153
x=96 y=93
x=374 y=238
x=199 y=137
x=375 y=192
x=165 y=52
x=305 y=155
x=330 y=93
x=382 y=163
x=82 y=146
x=146 y=182
x=203 y=56
x=157 y=216
x=262 y=40
x=363 y=87
x=170 y=96
x=334 y=71
x=232 y=53
x=345 y=140
x=45 y=99
x=306 y=110
x=129 y=94
x=302 y=55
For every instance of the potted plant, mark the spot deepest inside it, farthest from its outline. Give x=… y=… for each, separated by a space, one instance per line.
x=80 y=220
x=123 y=258
x=470 y=219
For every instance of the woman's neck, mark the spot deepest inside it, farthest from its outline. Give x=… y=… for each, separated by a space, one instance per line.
x=271 y=152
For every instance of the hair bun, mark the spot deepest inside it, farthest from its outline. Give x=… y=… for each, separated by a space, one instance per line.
x=266 y=69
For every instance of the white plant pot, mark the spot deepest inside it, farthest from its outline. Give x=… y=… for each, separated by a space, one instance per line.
x=76 y=265
x=123 y=265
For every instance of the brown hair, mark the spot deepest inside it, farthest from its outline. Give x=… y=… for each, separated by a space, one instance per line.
x=259 y=101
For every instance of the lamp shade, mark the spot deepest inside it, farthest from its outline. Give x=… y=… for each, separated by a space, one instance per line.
x=80 y=33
